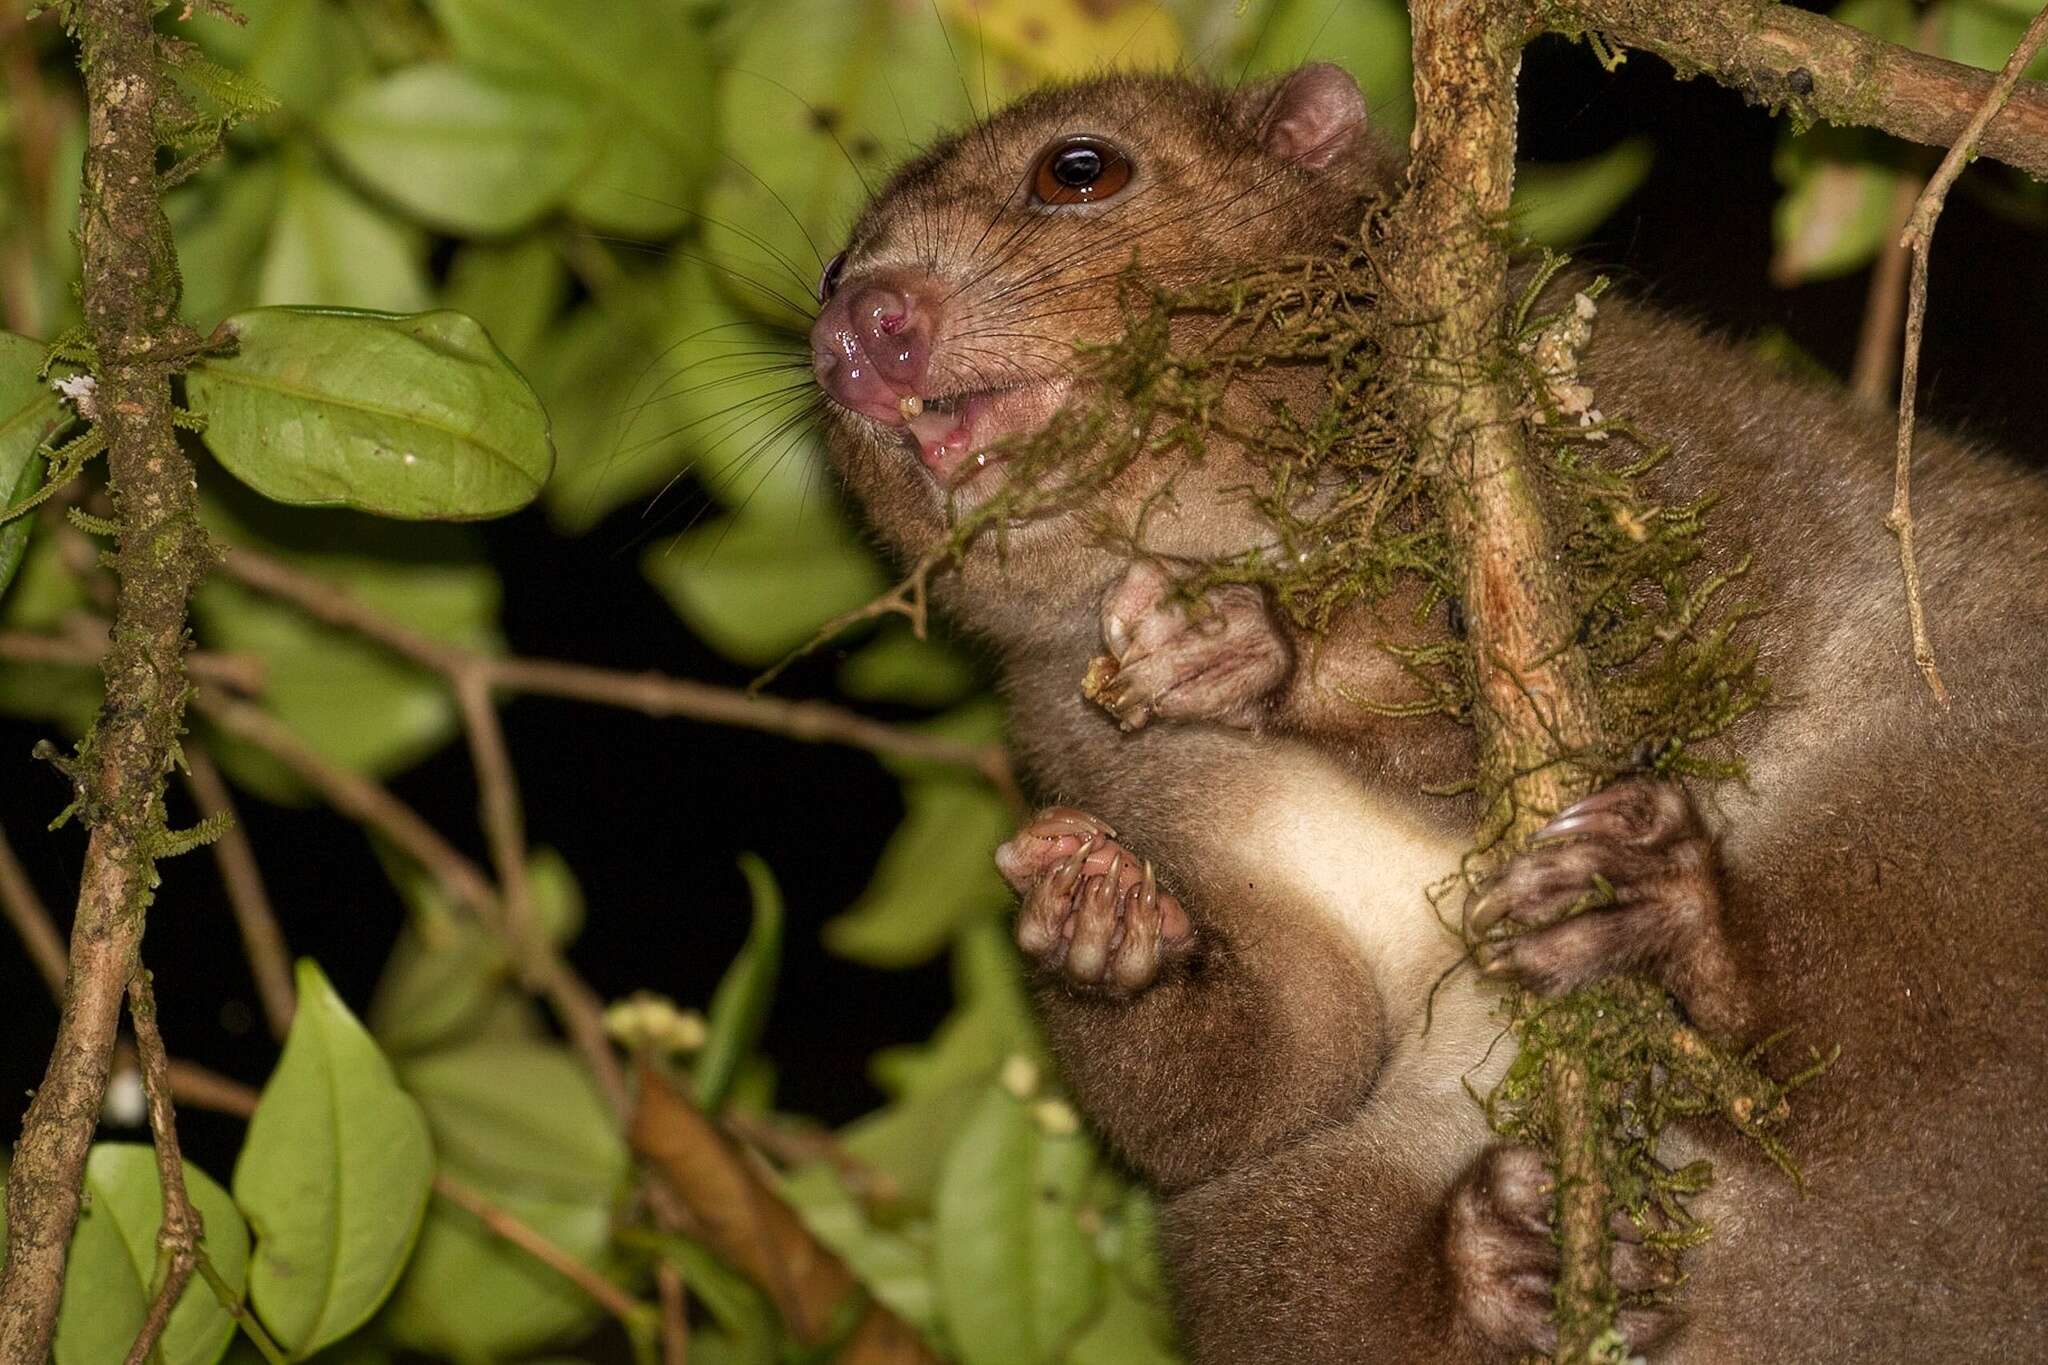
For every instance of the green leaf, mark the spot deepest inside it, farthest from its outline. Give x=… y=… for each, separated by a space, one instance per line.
x=30 y=413
x=515 y=289
x=751 y=1333
x=1558 y=205
x=897 y=666
x=937 y=873
x=462 y=151
x=302 y=50
x=414 y=416
x=448 y=979
x=1838 y=208
x=757 y=587
x=333 y=1176
x=808 y=125
x=642 y=74
x=739 y=1007
x=332 y=249
x=1017 y=1276
x=1983 y=33
x=521 y=1123
x=354 y=702
x=681 y=380
x=110 y=1271
x=220 y=222
x=439 y=982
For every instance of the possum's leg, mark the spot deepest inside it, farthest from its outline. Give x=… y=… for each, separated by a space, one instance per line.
x=1626 y=881
x=1192 y=1046
x=1216 y=659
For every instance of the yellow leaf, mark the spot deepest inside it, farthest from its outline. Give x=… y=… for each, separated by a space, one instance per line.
x=1036 y=40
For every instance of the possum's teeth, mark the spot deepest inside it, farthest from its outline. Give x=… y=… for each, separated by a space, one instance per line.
x=911 y=406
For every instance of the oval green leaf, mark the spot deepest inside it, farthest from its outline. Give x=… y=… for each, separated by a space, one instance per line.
x=937 y=872
x=30 y=414
x=460 y=150
x=331 y=248
x=333 y=1177
x=107 y=1276
x=641 y=72
x=1018 y=1277
x=521 y=1123
x=416 y=416
x=739 y=1007
x=756 y=587
x=1558 y=205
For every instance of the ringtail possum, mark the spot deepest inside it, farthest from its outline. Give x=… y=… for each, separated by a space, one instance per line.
x=1223 y=904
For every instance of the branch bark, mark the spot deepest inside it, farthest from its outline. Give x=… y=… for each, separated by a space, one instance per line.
x=178 y=1236
x=1784 y=57
x=1537 y=719
x=130 y=299
x=748 y=1225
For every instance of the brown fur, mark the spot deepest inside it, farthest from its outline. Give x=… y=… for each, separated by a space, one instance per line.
x=1879 y=875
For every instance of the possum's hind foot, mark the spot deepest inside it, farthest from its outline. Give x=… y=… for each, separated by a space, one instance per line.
x=1504 y=1260
x=1624 y=881
x=1093 y=914
x=1216 y=659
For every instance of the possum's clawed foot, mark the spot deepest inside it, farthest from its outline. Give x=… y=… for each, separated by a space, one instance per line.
x=1215 y=659
x=1093 y=914
x=1624 y=881
x=1503 y=1259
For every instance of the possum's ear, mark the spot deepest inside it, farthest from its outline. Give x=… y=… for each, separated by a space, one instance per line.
x=1312 y=117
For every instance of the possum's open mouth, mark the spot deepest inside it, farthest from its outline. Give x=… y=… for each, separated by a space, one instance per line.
x=954 y=434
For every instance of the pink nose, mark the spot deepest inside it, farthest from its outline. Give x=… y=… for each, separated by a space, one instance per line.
x=871 y=345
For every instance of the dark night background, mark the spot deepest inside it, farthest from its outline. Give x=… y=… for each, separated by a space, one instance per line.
x=651 y=813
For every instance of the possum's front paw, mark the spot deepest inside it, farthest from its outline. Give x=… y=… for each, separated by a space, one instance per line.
x=1624 y=881
x=1093 y=913
x=1503 y=1259
x=1215 y=659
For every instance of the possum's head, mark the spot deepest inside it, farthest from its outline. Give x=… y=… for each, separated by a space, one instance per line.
x=951 y=320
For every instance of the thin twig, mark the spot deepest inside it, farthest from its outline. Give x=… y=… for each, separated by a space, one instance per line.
x=177 y=1238
x=1919 y=239
x=675 y=1322
x=357 y=797
x=31 y=919
x=632 y=1314
x=654 y=694
x=579 y=1008
x=197 y=1087
x=243 y=673
x=270 y=961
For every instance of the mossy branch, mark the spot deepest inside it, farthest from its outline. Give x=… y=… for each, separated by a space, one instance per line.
x=1816 y=68
x=130 y=301
x=1537 y=717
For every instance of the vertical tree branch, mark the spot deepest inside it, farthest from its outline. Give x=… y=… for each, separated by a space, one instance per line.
x=1538 y=723
x=1919 y=239
x=130 y=298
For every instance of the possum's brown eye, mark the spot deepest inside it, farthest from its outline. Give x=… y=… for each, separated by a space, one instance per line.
x=1079 y=170
x=828 y=281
